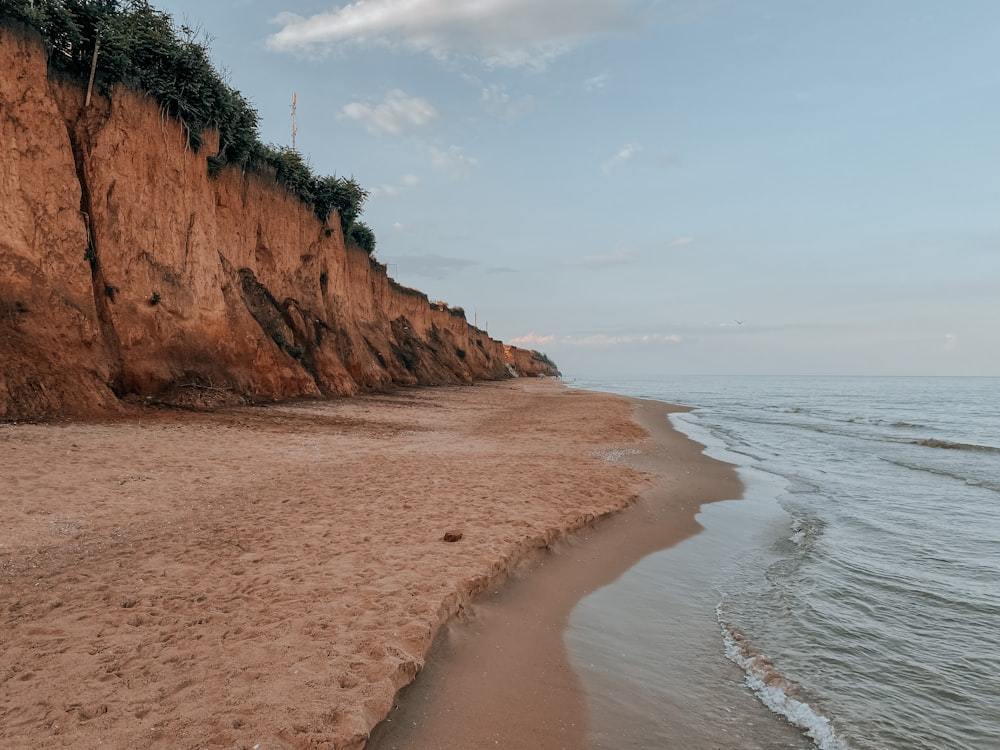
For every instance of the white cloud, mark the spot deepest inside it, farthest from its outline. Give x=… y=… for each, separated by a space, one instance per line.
x=532 y=339
x=384 y=191
x=397 y=113
x=500 y=33
x=950 y=342
x=391 y=191
x=498 y=101
x=453 y=160
x=625 y=154
x=682 y=242
x=495 y=96
x=596 y=83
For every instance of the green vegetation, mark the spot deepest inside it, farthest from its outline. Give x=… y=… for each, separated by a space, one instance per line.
x=540 y=357
x=139 y=46
x=345 y=195
x=361 y=235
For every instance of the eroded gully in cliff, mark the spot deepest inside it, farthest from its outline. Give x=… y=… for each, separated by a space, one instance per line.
x=76 y=131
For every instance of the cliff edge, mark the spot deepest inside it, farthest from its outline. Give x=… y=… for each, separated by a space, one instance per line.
x=127 y=272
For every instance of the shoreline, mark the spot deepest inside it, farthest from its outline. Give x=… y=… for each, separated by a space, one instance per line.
x=274 y=575
x=508 y=659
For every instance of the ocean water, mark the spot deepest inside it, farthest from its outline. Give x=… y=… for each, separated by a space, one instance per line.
x=850 y=600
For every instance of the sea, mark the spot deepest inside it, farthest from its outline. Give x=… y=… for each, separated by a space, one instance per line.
x=849 y=600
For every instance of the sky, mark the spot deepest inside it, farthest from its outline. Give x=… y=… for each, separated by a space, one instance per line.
x=643 y=187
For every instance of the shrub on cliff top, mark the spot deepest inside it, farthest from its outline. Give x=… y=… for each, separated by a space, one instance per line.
x=141 y=47
x=361 y=235
x=544 y=359
x=63 y=25
x=291 y=170
x=343 y=194
x=323 y=193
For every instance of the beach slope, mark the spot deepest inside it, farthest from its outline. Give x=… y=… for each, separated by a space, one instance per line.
x=275 y=575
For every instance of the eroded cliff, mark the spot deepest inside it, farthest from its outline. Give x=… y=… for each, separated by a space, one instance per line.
x=126 y=271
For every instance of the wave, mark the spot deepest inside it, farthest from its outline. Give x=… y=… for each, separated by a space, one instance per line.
x=847 y=419
x=949 y=445
x=831 y=428
x=776 y=691
x=805 y=532
x=968 y=481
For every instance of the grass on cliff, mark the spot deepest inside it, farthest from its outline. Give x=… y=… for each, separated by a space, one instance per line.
x=141 y=47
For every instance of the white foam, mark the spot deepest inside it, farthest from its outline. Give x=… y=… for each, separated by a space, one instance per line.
x=799 y=533
x=774 y=689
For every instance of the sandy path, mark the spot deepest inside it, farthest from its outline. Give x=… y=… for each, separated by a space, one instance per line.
x=271 y=576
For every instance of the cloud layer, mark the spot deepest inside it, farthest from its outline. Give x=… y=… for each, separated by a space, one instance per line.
x=624 y=155
x=453 y=161
x=392 y=190
x=397 y=114
x=501 y=33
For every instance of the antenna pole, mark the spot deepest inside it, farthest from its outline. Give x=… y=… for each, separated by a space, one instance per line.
x=93 y=71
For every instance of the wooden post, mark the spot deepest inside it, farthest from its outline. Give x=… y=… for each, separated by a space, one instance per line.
x=93 y=71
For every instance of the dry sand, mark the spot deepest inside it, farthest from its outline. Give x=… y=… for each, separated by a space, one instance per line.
x=270 y=577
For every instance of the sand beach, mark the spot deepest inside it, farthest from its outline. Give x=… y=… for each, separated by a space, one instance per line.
x=270 y=577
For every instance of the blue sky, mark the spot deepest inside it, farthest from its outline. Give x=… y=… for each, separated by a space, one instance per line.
x=617 y=182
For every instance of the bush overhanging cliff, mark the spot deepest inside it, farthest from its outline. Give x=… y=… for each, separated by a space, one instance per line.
x=131 y=42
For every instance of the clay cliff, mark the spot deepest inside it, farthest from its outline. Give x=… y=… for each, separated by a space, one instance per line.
x=127 y=272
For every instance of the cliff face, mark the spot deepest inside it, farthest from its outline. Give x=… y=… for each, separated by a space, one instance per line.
x=125 y=270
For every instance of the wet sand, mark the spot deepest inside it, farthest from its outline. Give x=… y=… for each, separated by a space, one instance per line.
x=502 y=678
x=272 y=576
